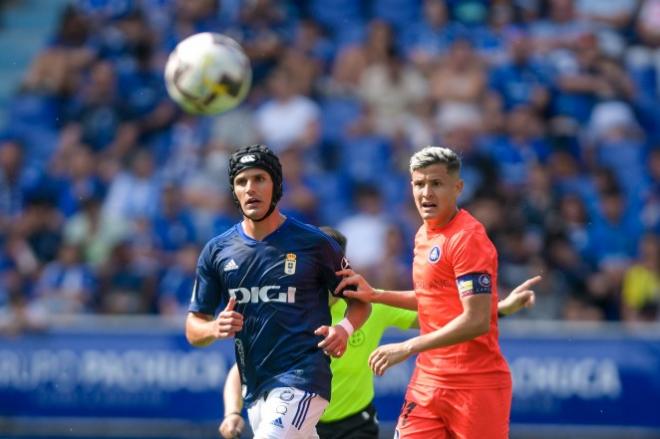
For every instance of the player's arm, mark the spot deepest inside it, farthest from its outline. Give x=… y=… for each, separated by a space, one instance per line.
x=366 y=293
x=520 y=297
x=202 y=329
x=357 y=312
x=335 y=338
x=471 y=323
x=232 y=423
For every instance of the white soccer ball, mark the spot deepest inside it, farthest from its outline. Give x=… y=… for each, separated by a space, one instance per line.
x=208 y=73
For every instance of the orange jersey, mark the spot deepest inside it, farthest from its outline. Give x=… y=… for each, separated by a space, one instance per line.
x=443 y=255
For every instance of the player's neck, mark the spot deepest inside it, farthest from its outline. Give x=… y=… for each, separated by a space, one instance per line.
x=258 y=230
x=441 y=221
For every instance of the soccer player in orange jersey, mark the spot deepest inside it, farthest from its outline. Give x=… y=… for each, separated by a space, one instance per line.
x=461 y=386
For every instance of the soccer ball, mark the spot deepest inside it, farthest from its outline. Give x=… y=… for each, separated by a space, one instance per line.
x=208 y=73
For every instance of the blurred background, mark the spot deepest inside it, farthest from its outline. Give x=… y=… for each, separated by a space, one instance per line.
x=108 y=191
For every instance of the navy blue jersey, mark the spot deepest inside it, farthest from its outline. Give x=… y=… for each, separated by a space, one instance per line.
x=281 y=286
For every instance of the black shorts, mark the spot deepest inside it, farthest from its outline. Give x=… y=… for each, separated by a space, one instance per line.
x=362 y=425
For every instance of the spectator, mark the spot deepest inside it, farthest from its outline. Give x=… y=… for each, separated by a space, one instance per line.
x=99 y=112
x=426 y=41
x=366 y=229
x=134 y=192
x=522 y=147
x=173 y=227
x=641 y=283
x=288 y=120
x=405 y=87
x=351 y=61
x=647 y=23
x=521 y=80
x=16 y=314
x=66 y=286
x=458 y=85
x=650 y=195
x=56 y=71
x=614 y=233
x=12 y=180
x=40 y=226
x=298 y=199
x=94 y=231
x=589 y=78
x=125 y=288
x=177 y=282
x=79 y=179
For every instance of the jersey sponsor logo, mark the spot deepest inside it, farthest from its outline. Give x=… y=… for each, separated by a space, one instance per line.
x=268 y=293
x=278 y=423
x=290 y=263
x=434 y=254
x=357 y=338
x=248 y=158
x=231 y=265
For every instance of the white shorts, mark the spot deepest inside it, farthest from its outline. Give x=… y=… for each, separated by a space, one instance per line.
x=286 y=413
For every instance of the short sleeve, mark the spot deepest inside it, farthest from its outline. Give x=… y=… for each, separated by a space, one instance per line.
x=332 y=260
x=472 y=252
x=207 y=290
x=397 y=317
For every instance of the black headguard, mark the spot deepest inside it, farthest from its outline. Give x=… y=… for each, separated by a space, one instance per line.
x=257 y=156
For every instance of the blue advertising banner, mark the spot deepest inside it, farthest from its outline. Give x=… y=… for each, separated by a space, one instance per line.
x=142 y=375
x=598 y=379
x=606 y=380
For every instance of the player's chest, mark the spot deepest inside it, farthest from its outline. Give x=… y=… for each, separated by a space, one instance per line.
x=432 y=269
x=266 y=273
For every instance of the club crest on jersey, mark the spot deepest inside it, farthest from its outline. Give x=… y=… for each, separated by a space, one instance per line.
x=434 y=254
x=290 y=263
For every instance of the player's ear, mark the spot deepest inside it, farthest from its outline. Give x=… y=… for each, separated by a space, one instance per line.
x=459 y=186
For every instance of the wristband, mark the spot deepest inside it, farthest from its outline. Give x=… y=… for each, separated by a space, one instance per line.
x=233 y=413
x=347 y=325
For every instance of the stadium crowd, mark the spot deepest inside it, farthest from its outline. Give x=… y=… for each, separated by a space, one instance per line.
x=108 y=190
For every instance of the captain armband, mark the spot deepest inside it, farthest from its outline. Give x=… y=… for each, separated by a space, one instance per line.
x=474 y=283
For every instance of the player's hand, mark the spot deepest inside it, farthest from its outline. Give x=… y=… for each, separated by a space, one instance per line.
x=364 y=292
x=228 y=322
x=334 y=340
x=232 y=426
x=387 y=356
x=520 y=297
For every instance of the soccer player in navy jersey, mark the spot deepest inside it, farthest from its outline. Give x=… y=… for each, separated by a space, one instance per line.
x=265 y=282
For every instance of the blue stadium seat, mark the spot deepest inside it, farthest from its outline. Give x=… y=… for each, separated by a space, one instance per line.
x=366 y=159
x=336 y=13
x=336 y=115
x=400 y=13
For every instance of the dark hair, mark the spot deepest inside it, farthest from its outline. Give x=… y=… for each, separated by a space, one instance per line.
x=336 y=235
